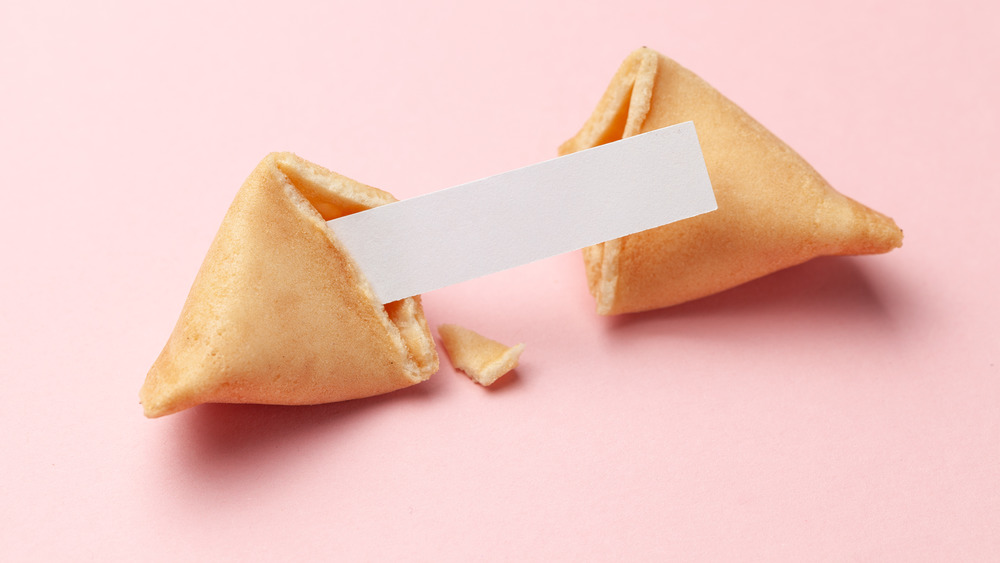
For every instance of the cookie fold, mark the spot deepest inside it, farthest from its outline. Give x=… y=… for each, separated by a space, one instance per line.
x=775 y=210
x=279 y=313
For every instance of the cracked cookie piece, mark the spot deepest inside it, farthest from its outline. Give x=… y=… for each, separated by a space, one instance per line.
x=775 y=210
x=279 y=313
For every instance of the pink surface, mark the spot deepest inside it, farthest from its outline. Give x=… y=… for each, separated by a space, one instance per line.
x=847 y=409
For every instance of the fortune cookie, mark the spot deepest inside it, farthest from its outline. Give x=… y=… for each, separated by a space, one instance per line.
x=774 y=211
x=279 y=313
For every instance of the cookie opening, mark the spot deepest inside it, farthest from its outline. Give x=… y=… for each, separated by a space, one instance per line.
x=332 y=195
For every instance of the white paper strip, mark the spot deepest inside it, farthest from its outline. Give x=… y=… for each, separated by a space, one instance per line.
x=460 y=233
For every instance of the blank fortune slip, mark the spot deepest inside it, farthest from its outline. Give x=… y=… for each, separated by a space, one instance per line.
x=517 y=217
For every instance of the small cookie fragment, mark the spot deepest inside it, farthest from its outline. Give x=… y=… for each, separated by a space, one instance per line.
x=482 y=359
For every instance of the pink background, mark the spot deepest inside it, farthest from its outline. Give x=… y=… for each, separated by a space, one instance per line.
x=846 y=409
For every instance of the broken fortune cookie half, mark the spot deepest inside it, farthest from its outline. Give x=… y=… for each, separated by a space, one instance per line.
x=774 y=209
x=279 y=313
